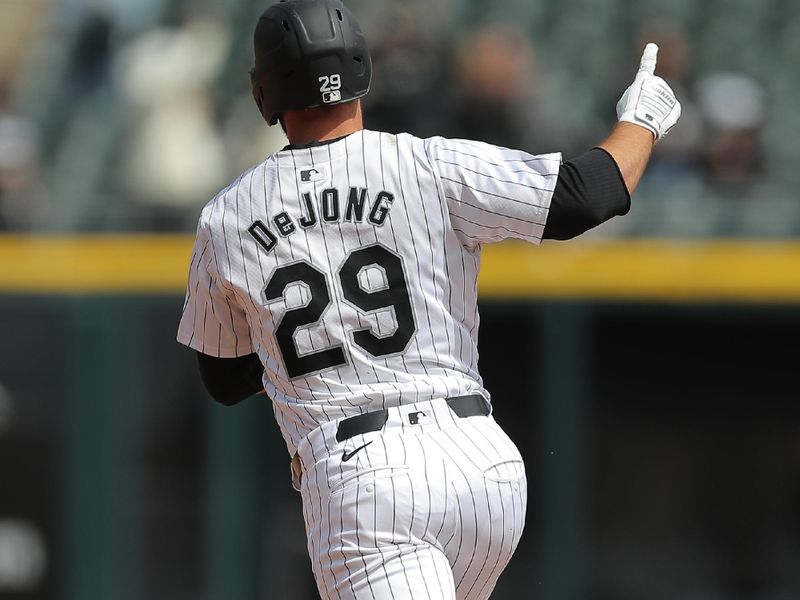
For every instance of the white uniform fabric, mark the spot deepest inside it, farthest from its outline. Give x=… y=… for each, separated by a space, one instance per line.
x=426 y=511
x=351 y=269
x=449 y=198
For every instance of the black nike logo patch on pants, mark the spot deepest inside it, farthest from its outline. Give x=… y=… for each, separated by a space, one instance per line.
x=348 y=455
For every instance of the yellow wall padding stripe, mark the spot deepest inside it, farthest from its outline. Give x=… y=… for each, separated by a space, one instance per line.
x=662 y=270
x=94 y=264
x=648 y=270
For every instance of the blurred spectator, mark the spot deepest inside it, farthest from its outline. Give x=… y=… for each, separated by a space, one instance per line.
x=706 y=178
x=175 y=159
x=498 y=89
x=20 y=193
x=408 y=87
x=734 y=107
x=84 y=73
x=90 y=64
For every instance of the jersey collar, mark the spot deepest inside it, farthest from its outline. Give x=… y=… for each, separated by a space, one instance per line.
x=314 y=144
x=314 y=153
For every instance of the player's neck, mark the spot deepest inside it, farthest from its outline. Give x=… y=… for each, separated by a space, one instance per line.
x=320 y=124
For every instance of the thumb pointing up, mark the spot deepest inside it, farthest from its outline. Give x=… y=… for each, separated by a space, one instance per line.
x=649 y=58
x=649 y=101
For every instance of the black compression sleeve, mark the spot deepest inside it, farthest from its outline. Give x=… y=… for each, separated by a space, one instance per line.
x=231 y=380
x=590 y=190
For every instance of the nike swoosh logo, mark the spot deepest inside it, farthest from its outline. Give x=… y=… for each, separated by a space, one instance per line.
x=347 y=456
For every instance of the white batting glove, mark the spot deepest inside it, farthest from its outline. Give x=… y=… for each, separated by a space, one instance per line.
x=649 y=102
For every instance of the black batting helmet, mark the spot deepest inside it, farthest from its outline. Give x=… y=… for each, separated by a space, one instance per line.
x=308 y=53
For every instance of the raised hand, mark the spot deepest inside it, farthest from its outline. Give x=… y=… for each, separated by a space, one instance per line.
x=649 y=101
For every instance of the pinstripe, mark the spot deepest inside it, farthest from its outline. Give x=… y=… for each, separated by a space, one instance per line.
x=449 y=288
x=195 y=296
x=398 y=249
x=267 y=197
x=352 y=364
x=394 y=239
x=205 y=319
x=327 y=524
x=465 y=340
x=228 y=260
x=495 y=213
x=509 y=155
x=394 y=522
x=308 y=514
x=488 y=550
x=286 y=381
x=458 y=534
x=350 y=182
x=498 y=443
x=474 y=513
x=374 y=497
x=424 y=572
x=478 y=240
x=447 y=490
x=338 y=307
x=527 y=160
x=271 y=363
x=326 y=254
x=496 y=195
x=497 y=179
x=477 y=555
x=516 y=233
x=259 y=316
x=325 y=415
x=514 y=517
x=495 y=572
x=358 y=540
x=375 y=233
x=417 y=261
x=366 y=177
x=440 y=527
x=340 y=531
x=437 y=286
x=428 y=508
x=241 y=248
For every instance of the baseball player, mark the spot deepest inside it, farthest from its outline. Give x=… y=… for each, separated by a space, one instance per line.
x=339 y=275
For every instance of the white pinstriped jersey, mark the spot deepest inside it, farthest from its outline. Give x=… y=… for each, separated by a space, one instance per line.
x=351 y=269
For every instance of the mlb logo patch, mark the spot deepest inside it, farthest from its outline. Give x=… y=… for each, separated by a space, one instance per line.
x=330 y=97
x=415 y=418
x=311 y=175
x=307 y=175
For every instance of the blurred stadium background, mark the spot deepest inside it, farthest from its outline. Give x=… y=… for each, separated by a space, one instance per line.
x=649 y=372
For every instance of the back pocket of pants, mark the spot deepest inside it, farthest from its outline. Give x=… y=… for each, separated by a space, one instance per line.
x=507 y=471
x=369 y=475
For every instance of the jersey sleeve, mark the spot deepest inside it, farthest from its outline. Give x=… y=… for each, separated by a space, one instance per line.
x=494 y=193
x=212 y=322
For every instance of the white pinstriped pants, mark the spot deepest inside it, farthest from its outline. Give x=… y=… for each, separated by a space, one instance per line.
x=431 y=510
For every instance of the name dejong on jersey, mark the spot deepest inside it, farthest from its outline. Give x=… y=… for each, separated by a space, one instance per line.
x=329 y=208
x=351 y=268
